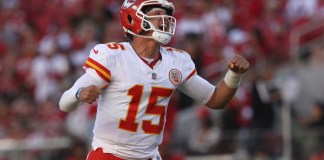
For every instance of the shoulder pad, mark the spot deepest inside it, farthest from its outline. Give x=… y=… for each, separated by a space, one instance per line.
x=107 y=48
x=170 y=49
x=116 y=46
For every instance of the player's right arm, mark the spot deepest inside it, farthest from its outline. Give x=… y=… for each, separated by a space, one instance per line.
x=89 y=86
x=85 y=89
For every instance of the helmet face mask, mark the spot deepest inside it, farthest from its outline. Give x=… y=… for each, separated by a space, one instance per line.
x=135 y=20
x=167 y=25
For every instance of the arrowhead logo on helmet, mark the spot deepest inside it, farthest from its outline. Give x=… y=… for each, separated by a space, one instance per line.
x=128 y=3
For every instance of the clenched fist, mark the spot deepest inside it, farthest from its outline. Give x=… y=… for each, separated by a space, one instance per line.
x=91 y=93
x=238 y=64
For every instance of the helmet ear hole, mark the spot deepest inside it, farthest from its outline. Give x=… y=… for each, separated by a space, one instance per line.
x=130 y=19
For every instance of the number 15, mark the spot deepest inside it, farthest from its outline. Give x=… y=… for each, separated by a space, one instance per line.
x=130 y=124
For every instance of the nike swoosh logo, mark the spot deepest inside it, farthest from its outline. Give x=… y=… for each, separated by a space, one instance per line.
x=95 y=51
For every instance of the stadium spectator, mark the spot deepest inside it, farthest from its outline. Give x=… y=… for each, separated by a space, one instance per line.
x=205 y=135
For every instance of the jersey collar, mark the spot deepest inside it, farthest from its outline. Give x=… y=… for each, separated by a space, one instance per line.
x=153 y=63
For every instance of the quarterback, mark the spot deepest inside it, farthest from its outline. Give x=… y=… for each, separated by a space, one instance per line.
x=134 y=81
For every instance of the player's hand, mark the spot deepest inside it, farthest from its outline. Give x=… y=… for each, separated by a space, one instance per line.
x=91 y=93
x=238 y=64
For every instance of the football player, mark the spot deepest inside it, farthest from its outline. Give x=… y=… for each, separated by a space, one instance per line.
x=134 y=81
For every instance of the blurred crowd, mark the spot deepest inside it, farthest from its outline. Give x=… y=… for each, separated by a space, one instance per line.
x=44 y=43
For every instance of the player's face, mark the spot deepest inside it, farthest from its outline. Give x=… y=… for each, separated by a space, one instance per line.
x=160 y=23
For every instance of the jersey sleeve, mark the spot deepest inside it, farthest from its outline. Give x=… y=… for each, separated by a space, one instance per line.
x=198 y=89
x=189 y=69
x=184 y=62
x=97 y=64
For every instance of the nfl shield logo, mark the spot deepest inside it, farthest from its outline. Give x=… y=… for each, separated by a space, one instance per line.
x=154 y=76
x=175 y=76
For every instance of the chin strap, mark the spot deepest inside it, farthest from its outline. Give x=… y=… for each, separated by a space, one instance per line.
x=161 y=37
x=157 y=36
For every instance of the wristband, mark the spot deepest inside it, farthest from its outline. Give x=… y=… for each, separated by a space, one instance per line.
x=77 y=94
x=232 y=79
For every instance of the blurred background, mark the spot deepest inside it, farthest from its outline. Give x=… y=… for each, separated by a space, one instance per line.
x=277 y=113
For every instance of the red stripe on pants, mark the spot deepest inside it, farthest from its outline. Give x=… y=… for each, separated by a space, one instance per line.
x=99 y=155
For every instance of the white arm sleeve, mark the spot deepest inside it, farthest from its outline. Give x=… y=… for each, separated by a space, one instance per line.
x=198 y=89
x=68 y=101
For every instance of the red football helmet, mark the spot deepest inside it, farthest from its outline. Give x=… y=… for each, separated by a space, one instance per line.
x=135 y=20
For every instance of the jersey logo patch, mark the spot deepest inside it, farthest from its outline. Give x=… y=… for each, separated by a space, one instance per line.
x=175 y=76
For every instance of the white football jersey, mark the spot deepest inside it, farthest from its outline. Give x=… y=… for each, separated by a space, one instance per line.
x=132 y=109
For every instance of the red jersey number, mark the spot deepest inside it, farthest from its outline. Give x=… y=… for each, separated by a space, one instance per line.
x=130 y=124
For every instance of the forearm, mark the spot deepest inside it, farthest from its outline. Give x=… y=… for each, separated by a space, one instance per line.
x=221 y=96
x=225 y=90
x=68 y=101
x=217 y=98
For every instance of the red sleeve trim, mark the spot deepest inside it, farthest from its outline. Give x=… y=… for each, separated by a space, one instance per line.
x=102 y=71
x=194 y=72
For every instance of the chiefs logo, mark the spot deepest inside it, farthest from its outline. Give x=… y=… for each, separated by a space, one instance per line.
x=175 y=76
x=128 y=3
